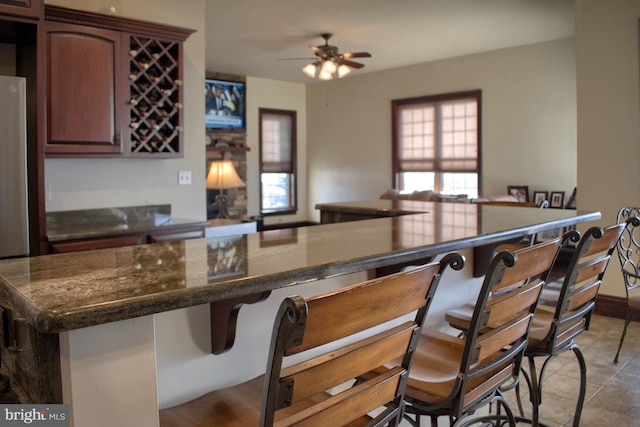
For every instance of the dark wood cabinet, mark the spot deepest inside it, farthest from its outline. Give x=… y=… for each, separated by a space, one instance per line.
x=114 y=86
x=97 y=243
x=168 y=234
x=84 y=96
x=22 y=8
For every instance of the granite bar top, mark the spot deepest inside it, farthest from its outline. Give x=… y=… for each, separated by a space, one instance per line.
x=69 y=291
x=88 y=223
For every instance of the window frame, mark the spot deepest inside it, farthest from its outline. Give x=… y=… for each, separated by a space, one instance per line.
x=396 y=106
x=291 y=115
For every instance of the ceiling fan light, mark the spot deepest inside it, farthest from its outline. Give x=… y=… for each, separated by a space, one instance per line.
x=329 y=67
x=325 y=75
x=309 y=70
x=343 y=70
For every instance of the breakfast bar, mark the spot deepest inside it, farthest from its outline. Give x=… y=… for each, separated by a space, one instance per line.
x=92 y=314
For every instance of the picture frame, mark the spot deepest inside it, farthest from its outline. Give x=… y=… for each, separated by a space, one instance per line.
x=540 y=196
x=557 y=200
x=571 y=204
x=226 y=256
x=521 y=192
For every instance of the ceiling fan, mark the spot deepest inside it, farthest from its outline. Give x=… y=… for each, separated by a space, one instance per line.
x=330 y=60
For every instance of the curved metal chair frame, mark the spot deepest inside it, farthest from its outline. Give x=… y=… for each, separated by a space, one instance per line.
x=570 y=313
x=491 y=352
x=629 y=256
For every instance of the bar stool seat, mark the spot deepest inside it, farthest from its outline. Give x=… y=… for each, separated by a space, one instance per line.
x=237 y=406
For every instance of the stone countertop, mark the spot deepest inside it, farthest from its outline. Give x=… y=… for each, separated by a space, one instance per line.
x=89 y=223
x=70 y=291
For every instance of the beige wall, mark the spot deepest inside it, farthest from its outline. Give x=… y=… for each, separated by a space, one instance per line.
x=529 y=121
x=264 y=93
x=96 y=183
x=608 y=112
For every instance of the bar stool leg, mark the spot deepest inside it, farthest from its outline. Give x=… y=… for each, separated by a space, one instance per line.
x=627 y=320
x=535 y=392
x=583 y=384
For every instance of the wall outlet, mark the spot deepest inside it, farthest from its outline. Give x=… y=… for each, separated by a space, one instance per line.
x=184 y=178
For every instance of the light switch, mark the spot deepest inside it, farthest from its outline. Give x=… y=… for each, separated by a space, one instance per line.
x=184 y=178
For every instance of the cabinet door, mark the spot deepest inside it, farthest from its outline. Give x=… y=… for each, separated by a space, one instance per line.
x=99 y=243
x=25 y=8
x=84 y=90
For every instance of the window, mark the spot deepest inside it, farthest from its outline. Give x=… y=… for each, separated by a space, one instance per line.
x=277 y=161
x=436 y=143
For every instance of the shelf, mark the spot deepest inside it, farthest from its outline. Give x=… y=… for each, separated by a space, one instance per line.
x=155 y=96
x=228 y=148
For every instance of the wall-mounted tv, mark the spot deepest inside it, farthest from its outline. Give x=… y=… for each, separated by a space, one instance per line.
x=224 y=104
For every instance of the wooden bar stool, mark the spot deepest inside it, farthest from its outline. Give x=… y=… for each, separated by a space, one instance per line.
x=565 y=314
x=327 y=389
x=453 y=376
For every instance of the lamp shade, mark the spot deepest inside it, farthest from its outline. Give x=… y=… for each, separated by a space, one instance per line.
x=310 y=70
x=328 y=66
x=223 y=175
x=343 y=70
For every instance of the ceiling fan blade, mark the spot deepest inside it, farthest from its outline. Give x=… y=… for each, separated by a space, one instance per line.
x=298 y=59
x=351 y=64
x=348 y=55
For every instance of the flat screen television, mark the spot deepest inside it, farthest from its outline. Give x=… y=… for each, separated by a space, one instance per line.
x=224 y=104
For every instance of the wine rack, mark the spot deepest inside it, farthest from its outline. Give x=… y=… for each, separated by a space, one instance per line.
x=155 y=102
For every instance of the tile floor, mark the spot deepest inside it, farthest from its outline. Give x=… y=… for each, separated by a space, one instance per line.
x=613 y=390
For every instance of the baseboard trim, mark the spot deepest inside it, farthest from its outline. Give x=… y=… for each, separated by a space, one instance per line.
x=612 y=306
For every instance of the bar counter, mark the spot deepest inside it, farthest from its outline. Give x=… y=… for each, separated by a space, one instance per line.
x=63 y=292
x=108 y=324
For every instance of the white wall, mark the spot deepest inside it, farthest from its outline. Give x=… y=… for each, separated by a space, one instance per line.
x=185 y=366
x=529 y=121
x=97 y=183
x=264 y=93
x=608 y=112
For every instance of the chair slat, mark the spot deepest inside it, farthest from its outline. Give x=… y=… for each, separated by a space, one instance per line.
x=532 y=261
x=319 y=374
x=591 y=269
x=349 y=404
x=335 y=316
x=582 y=295
x=488 y=384
x=505 y=307
x=497 y=339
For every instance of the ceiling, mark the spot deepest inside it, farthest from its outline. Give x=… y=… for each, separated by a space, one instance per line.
x=253 y=37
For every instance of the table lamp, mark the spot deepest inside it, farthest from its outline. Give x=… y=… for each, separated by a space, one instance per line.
x=222 y=175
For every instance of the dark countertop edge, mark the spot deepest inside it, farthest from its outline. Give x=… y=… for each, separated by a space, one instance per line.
x=370 y=210
x=112 y=232
x=52 y=321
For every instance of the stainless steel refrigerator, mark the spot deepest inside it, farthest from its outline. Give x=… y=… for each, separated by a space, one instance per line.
x=14 y=222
